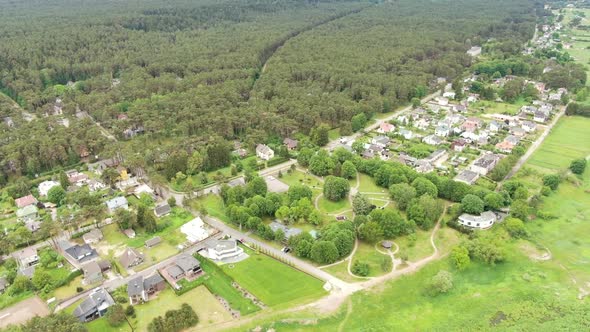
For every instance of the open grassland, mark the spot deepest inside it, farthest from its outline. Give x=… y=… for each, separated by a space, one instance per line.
x=415 y=246
x=273 y=282
x=327 y=206
x=517 y=295
x=569 y=139
x=340 y=271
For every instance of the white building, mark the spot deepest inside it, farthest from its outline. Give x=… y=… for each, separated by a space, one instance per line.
x=224 y=249
x=45 y=186
x=474 y=51
x=264 y=152
x=117 y=203
x=194 y=230
x=483 y=221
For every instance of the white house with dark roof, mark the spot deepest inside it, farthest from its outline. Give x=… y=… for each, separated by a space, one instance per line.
x=264 y=152
x=485 y=163
x=95 y=306
x=45 y=186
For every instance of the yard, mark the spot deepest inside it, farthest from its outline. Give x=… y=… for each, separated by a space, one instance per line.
x=491 y=107
x=213 y=204
x=273 y=282
x=329 y=207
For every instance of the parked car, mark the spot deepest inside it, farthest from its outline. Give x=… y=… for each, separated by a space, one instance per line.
x=286 y=250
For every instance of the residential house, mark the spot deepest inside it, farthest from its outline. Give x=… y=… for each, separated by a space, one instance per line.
x=380 y=141
x=291 y=144
x=467 y=176
x=144 y=189
x=29 y=213
x=224 y=249
x=27 y=257
x=94 y=185
x=264 y=152
x=76 y=177
x=185 y=266
x=474 y=51
x=25 y=201
x=506 y=145
x=529 y=126
x=458 y=145
x=407 y=134
x=139 y=289
x=117 y=203
x=442 y=130
x=95 y=306
x=45 y=186
x=495 y=126
x=528 y=109
x=403 y=119
x=540 y=117
x=485 y=163
x=441 y=101
x=385 y=128
x=162 y=210
x=153 y=242
x=437 y=157
x=423 y=166
x=432 y=140
x=194 y=230
x=422 y=124
x=93 y=236
x=517 y=131
x=449 y=95
x=92 y=273
x=131 y=258
x=82 y=253
x=483 y=221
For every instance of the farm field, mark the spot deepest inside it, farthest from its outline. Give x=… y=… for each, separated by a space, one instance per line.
x=565 y=143
x=273 y=282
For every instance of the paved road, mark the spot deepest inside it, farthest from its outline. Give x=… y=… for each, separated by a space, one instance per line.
x=335 y=143
x=534 y=146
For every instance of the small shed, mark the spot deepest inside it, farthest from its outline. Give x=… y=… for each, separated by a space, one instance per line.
x=153 y=242
x=386 y=244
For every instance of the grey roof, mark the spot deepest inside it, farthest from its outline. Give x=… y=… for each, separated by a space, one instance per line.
x=237 y=182
x=467 y=176
x=116 y=202
x=263 y=148
x=129 y=257
x=163 y=209
x=152 y=280
x=484 y=217
x=135 y=286
x=84 y=251
x=174 y=271
x=97 y=298
x=381 y=139
x=487 y=160
x=153 y=241
x=91 y=268
x=386 y=244
x=187 y=262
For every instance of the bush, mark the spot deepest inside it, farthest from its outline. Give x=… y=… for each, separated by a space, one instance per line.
x=552 y=181
x=515 y=228
x=360 y=268
x=441 y=283
x=276 y=161
x=578 y=166
x=386 y=264
x=175 y=320
x=79 y=289
x=130 y=310
x=546 y=191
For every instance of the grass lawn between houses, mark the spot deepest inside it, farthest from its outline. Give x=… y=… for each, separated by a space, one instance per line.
x=273 y=282
x=327 y=206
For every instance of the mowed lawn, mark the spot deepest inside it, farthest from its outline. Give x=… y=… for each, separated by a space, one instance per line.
x=272 y=281
x=366 y=253
x=569 y=139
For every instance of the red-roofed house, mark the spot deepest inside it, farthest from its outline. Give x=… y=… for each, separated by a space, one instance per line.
x=385 y=128
x=25 y=201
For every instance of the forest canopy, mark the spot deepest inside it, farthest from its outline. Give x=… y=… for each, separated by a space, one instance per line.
x=169 y=75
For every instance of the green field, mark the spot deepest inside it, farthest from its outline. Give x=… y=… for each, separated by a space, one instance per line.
x=327 y=206
x=568 y=140
x=273 y=282
x=367 y=185
x=340 y=271
x=491 y=107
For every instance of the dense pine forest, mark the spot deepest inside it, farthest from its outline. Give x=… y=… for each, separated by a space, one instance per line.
x=191 y=76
